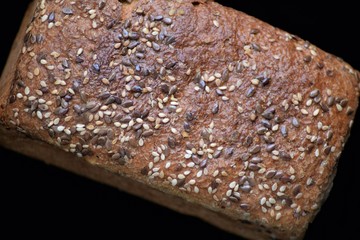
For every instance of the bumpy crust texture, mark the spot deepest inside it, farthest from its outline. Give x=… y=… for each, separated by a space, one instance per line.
x=194 y=99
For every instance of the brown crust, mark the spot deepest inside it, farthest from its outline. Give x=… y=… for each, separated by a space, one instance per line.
x=199 y=101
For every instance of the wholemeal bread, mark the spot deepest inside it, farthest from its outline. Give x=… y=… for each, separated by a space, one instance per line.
x=187 y=103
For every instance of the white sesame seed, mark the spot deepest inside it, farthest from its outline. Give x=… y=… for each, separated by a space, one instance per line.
x=309 y=181
x=55 y=54
x=231 y=88
x=80 y=129
x=216 y=23
x=294 y=205
x=30 y=75
x=339 y=107
x=38 y=92
x=274 y=187
x=275 y=152
x=299 y=195
x=309 y=102
x=47 y=114
x=278 y=216
x=56 y=121
x=39 y=115
x=60 y=128
x=275 y=128
x=187 y=156
x=151 y=165
x=191 y=164
x=262 y=201
x=162 y=115
x=232 y=185
x=263 y=209
x=304 y=111
x=79 y=51
x=207 y=89
x=308 y=129
x=181 y=176
x=94 y=24
x=315 y=206
x=174 y=182
x=199 y=173
x=228 y=193
x=36 y=71
x=272 y=212
x=280 y=194
x=141 y=142
x=196 y=189
x=317 y=152
x=282 y=188
x=255 y=81
x=167 y=165
x=192 y=181
x=44 y=18
x=187 y=172
x=216 y=172
x=105 y=81
x=27 y=91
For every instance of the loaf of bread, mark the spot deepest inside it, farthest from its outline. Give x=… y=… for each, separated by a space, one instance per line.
x=189 y=104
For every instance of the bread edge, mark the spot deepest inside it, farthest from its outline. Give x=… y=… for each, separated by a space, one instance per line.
x=8 y=73
x=21 y=143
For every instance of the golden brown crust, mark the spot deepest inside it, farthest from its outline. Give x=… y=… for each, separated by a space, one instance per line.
x=196 y=100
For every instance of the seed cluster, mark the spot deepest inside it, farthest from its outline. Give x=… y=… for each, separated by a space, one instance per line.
x=137 y=101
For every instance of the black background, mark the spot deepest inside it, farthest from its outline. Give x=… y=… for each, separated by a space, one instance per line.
x=35 y=197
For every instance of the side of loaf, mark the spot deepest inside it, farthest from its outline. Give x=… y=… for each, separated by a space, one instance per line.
x=187 y=103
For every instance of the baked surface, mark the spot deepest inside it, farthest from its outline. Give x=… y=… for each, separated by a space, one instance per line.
x=267 y=68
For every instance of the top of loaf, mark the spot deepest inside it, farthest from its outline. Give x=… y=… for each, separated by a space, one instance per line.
x=199 y=100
